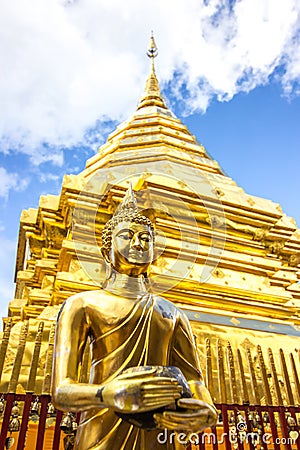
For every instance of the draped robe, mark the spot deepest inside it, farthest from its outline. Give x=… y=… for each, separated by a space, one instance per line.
x=123 y=333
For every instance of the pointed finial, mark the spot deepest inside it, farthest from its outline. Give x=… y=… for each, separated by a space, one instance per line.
x=152 y=51
x=152 y=95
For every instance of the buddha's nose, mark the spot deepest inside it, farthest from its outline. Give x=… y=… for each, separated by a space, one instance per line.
x=135 y=243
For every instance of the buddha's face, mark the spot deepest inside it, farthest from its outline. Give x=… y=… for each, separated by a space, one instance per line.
x=132 y=248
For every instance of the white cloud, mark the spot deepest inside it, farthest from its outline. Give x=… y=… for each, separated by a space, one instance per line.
x=291 y=79
x=11 y=181
x=42 y=154
x=44 y=177
x=67 y=64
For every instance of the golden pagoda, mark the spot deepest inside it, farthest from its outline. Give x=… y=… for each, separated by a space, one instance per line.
x=230 y=260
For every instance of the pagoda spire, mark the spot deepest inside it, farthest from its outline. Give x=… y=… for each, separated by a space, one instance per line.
x=152 y=95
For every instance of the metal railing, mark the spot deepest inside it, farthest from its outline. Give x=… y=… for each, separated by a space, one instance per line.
x=15 y=423
x=249 y=427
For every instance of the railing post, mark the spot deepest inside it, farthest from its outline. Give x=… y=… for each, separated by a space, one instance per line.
x=285 y=431
x=44 y=399
x=8 y=407
x=24 y=423
x=273 y=428
x=57 y=431
x=225 y=426
x=293 y=414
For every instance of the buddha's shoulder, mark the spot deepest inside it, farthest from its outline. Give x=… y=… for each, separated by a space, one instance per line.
x=85 y=299
x=166 y=306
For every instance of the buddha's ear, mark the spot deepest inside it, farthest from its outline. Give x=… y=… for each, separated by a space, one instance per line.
x=156 y=254
x=105 y=254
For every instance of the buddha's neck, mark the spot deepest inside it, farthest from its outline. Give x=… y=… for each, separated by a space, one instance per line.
x=124 y=285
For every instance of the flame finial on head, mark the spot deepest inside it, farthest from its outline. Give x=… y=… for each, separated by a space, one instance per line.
x=128 y=204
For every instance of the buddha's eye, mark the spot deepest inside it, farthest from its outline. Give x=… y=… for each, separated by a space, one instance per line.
x=125 y=236
x=145 y=237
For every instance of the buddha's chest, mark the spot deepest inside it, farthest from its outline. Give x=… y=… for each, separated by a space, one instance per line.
x=128 y=328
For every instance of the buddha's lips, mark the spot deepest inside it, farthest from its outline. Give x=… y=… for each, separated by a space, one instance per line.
x=135 y=254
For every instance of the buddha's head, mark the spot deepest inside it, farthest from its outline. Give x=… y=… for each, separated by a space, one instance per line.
x=128 y=239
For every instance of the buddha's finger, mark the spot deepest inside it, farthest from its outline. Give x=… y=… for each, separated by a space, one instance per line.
x=164 y=392
x=170 y=398
x=164 y=380
x=137 y=374
x=183 y=424
x=200 y=415
x=193 y=404
x=161 y=388
x=164 y=423
x=188 y=423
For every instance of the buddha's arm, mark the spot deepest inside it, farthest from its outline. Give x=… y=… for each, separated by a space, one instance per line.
x=185 y=356
x=134 y=392
x=70 y=340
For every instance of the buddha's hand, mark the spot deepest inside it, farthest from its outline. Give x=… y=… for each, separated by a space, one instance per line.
x=196 y=416
x=139 y=392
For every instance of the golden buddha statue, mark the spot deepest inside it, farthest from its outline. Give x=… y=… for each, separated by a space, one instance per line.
x=138 y=343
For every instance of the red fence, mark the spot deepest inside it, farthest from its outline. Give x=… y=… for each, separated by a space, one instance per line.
x=253 y=427
x=24 y=405
x=30 y=422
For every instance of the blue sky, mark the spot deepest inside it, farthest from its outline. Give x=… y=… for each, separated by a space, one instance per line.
x=256 y=139
x=229 y=70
